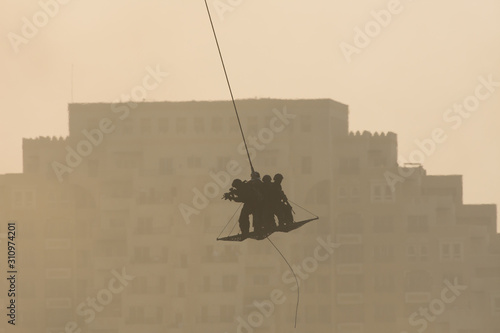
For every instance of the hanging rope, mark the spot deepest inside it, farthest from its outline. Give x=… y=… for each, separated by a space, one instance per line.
x=234 y=225
x=229 y=85
x=296 y=280
x=230 y=221
x=296 y=204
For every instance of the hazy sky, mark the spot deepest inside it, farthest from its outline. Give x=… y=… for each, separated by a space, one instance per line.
x=428 y=57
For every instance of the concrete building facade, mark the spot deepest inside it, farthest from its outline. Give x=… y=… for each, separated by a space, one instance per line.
x=121 y=219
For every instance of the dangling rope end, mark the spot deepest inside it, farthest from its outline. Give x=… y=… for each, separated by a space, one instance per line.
x=296 y=280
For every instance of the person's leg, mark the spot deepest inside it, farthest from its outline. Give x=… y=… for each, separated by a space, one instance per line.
x=278 y=211
x=288 y=215
x=257 y=219
x=244 y=219
x=268 y=215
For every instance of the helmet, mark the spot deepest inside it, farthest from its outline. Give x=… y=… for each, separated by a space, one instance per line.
x=278 y=177
x=255 y=175
x=236 y=182
x=266 y=179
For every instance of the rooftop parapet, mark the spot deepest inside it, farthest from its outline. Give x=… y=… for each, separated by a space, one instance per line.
x=367 y=134
x=44 y=139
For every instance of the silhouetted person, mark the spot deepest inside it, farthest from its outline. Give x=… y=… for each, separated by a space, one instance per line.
x=280 y=204
x=267 y=204
x=242 y=192
x=257 y=186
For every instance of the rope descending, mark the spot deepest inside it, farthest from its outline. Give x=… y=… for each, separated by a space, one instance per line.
x=229 y=86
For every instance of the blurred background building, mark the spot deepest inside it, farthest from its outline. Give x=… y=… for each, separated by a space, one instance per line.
x=138 y=186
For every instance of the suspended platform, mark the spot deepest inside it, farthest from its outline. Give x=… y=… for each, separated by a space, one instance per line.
x=261 y=235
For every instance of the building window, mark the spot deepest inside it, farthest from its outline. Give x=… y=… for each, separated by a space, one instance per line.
x=383 y=224
x=417 y=252
x=418 y=281
x=194 y=162
x=199 y=125
x=128 y=160
x=324 y=284
x=451 y=251
x=349 y=165
x=181 y=289
x=495 y=304
x=163 y=125
x=166 y=166
x=383 y=253
x=233 y=126
x=140 y=285
x=24 y=199
x=311 y=314
x=32 y=164
x=206 y=284
x=204 y=314
x=350 y=224
x=311 y=286
x=268 y=158
x=350 y=254
x=229 y=283
x=127 y=127
x=306 y=165
x=136 y=314
x=348 y=193
x=144 y=225
x=454 y=276
x=376 y=159
x=222 y=162
x=306 y=124
x=324 y=313
x=384 y=313
x=383 y=283
x=164 y=253
x=217 y=124
x=141 y=254
x=381 y=193
x=145 y=126
x=227 y=313
x=116 y=222
x=181 y=125
x=92 y=123
x=261 y=280
x=418 y=224
x=93 y=166
x=253 y=124
x=350 y=284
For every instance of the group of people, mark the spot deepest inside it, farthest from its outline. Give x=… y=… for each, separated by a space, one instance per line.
x=263 y=199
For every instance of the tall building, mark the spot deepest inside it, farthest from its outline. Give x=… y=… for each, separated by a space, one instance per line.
x=118 y=225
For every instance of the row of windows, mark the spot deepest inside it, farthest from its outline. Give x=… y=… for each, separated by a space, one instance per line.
x=353 y=224
x=413 y=281
x=183 y=125
x=351 y=253
x=352 y=165
x=145 y=315
x=267 y=159
x=148 y=285
x=380 y=192
x=228 y=283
